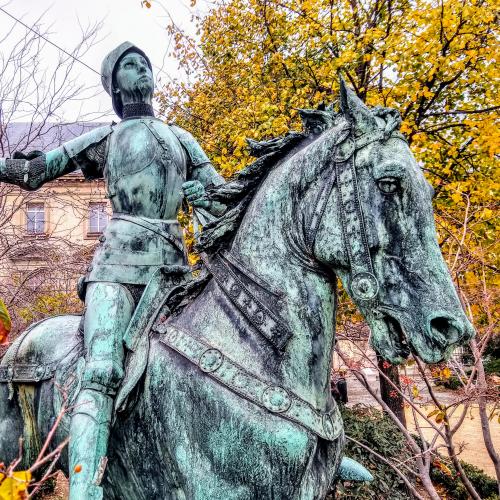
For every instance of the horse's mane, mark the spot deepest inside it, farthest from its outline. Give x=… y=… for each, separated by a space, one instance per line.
x=238 y=192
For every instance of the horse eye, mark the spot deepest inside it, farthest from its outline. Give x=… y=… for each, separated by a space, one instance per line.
x=388 y=185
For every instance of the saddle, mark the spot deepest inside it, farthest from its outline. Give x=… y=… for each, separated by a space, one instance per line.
x=161 y=293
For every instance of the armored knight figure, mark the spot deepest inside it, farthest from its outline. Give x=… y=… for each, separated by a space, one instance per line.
x=145 y=164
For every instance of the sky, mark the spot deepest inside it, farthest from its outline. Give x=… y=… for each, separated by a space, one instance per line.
x=122 y=20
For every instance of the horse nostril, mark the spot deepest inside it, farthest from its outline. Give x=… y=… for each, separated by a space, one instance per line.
x=445 y=329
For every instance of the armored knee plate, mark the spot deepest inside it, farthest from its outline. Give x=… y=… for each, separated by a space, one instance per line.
x=103 y=375
x=109 y=307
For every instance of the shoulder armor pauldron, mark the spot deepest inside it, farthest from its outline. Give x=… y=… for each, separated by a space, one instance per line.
x=79 y=144
x=196 y=155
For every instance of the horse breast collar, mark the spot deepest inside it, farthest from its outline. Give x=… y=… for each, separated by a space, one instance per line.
x=239 y=286
x=363 y=283
x=274 y=398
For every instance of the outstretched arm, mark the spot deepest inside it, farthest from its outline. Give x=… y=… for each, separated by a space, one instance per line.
x=32 y=170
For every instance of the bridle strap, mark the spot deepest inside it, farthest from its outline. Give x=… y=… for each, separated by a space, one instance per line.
x=363 y=284
x=317 y=217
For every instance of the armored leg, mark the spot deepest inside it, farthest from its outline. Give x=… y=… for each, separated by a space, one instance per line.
x=109 y=307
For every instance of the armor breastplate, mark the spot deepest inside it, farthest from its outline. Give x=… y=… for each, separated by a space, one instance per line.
x=145 y=169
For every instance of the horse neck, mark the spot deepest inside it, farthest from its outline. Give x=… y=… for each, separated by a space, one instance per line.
x=263 y=245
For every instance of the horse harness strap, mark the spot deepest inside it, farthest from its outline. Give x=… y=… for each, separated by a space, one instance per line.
x=27 y=373
x=363 y=283
x=266 y=322
x=276 y=399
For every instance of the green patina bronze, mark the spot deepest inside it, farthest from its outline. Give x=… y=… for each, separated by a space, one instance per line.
x=146 y=165
x=225 y=388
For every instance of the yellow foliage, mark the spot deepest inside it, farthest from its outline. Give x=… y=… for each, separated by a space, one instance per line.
x=256 y=62
x=50 y=305
x=5 y=323
x=440 y=417
x=15 y=487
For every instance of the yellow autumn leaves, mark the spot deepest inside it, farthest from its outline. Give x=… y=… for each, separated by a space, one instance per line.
x=14 y=486
x=257 y=61
x=5 y=323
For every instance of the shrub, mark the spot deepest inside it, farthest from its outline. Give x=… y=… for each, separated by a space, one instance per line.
x=447 y=477
x=493 y=348
x=492 y=366
x=46 y=305
x=375 y=430
x=453 y=383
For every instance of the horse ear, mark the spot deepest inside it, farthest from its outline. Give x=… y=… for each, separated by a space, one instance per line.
x=353 y=108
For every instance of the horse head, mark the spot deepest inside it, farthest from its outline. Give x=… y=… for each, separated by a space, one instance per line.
x=345 y=198
x=377 y=234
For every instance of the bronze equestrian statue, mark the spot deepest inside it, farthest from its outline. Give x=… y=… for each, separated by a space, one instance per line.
x=226 y=390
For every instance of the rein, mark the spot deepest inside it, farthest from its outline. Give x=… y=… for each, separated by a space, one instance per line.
x=363 y=284
x=240 y=287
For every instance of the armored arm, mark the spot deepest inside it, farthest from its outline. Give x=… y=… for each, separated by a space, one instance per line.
x=32 y=170
x=200 y=168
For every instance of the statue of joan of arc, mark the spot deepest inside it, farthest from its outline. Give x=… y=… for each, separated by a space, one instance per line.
x=148 y=166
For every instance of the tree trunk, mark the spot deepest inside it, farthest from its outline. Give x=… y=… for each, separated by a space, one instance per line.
x=482 y=385
x=387 y=392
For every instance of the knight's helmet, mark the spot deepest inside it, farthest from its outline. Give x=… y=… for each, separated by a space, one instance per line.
x=108 y=68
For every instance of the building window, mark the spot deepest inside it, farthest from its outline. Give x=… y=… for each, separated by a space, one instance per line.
x=98 y=218
x=35 y=218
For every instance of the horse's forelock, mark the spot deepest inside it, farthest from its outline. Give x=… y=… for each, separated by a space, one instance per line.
x=387 y=120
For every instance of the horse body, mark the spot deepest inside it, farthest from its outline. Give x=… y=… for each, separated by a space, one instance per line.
x=184 y=434
x=205 y=442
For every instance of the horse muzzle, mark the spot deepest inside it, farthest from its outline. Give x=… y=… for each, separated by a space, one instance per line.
x=437 y=336
x=433 y=337
x=442 y=334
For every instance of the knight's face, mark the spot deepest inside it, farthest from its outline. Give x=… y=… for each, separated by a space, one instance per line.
x=134 y=77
